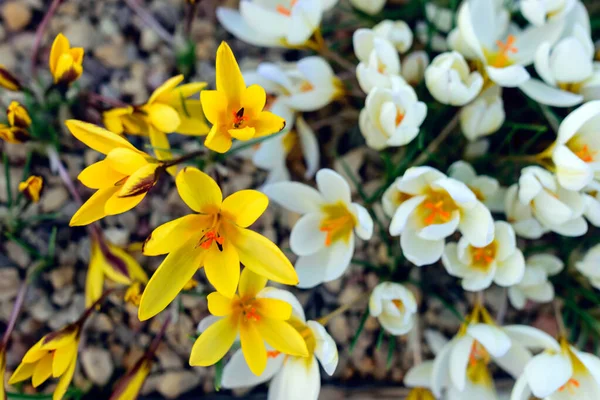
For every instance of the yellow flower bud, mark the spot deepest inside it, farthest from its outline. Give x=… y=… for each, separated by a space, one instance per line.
x=32 y=187
x=65 y=61
x=17 y=115
x=8 y=80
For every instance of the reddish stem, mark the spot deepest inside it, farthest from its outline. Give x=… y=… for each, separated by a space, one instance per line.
x=14 y=315
x=39 y=33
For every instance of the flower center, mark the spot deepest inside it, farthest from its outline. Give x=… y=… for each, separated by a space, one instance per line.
x=212 y=236
x=571 y=386
x=239 y=118
x=501 y=57
x=381 y=67
x=338 y=223
x=438 y=208
x=287 y=11
x=399 y=116
x=482 y=257
x=399 y=305
x=477 y=370
x=306 y=86
x=273 y=353
x=585 y=154
x=249 y=312
x=573 y=87
x=420 y=393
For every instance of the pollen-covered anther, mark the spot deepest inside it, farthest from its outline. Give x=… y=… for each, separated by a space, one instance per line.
x=436 y=212
x=239 y=118
x=585 y=154
x=273 y=353
x=210 y=237
x=571 y=385
x=283 y=10
x=335 y=226
x=250 y=313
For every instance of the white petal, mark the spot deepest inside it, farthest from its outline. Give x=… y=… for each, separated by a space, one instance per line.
x=572 y=172
x=238 y=27
x=530 y=337
x=459 y=192
x=546 y=373
x=333 y=187
x=521 y=389
x=306 y=237
x=512 y=76
x=296 y=380
x=552 y=264
x=504 y=236
x=420 y=251
x=364 y=227
x=548 y=95
x=237 y=374
x=459 y=360
x=310 y=147
x=340 y=255
x=325 y=347
x=311 y=269
x=402 y=214
x=575 y=120
x=477 y=225
x=510 y=271
x=440 y=372
x=295 y=196
x=440 y=231
x=419 y=375
x=514 y=360
x=495 y=341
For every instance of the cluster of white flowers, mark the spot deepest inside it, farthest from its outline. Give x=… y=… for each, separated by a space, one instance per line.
x=454 y=218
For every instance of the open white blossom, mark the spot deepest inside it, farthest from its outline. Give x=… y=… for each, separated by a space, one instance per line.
x=500 y=261
x=538 y=204
x=484 y=116
x=483 y=35
x=539 y=12
x=588 y=266
x=486 y=188
x=449 y=80
x=535 y=285
x=324 y=237
x=432 y=207
x=561 y=372
x=391 y=117
x=576 y=151
x=274 y=23
x=370 y=7
x=394 y=306
x=294 y=378
x=379 y=61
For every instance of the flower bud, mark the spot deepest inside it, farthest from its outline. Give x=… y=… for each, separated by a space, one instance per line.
x=394 y=306
x=8 y=81
x=65 y=61
x=449 y=81
x=32 y=187
x=484 y=116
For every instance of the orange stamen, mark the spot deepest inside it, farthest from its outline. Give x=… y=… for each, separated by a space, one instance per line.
x=272 y=353
x=239 y=118
x=333 y=226
x=571 y=385
x=251 y=314
x=437 y=211
x=482 y=254
x=306 y=87
x=501 y=58
x=210 y=237
x=399 y=117
x=585 y=154
x=283 y=10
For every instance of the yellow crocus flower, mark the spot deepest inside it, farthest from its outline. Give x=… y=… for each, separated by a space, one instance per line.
x=55 y=355
x=216 y=238
x=65 y=61
x=256 y=319
x=8 y=81
x=114 y=263
x=19 y=121
x=32 y=187
x=169 y=109
x=123 y=178
x=236 y=111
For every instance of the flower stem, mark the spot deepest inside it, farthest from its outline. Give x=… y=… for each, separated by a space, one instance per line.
x=98 y=98
x=437 y=142
x=149 y=20
x=39 y=33
x=93 y=307
x=57 y=165
x=14 y=314
x=340 y=310
x=183 y=158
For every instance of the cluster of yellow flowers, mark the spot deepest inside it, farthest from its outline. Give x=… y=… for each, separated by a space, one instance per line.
x=215 y=236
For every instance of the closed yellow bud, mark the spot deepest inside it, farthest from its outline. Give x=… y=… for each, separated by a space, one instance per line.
x=65 y=61
x=32 y=187
x=8 y=80
x=17 y=115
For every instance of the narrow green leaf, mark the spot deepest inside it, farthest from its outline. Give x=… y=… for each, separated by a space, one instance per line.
x=9 y=199
x=219 y=374
x=361 y=326
x=380 y=338
x=391 y=349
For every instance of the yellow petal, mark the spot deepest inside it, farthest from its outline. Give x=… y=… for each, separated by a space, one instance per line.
x=214 y=104
x=274 y=308
x=77 y=54
x=61 y=338
x=42 y=371
x=199 y=191
x=175 y=96
x=100 y=175
x=24 y=371
x=93 y=209
x=113 y=118
x=64 y=381
x=163 y=117
x=161 y=146
x=94 y=280
x=214 y=342
x=9 y=82
x=244 y=207
x=170 y=277
x=59 y=46
x=2 y=373
x=118 y=205
x=35 y=353
x=125 y=161
x=282 y=336
x=135 y=271
x=251 y=283
x=192 y=119
x=219 y=305
x=140 y=182
x=223 y=268
x=167 y=237
x=97 y=138
x=245 y=133
x=253 y=348
x=229 y=77
x=129 y=387
x=261 y=255
x=267 y=123
x=67 y=69
x=218 y=140
x=63 y=357
x=165 y=88
x=254 y=99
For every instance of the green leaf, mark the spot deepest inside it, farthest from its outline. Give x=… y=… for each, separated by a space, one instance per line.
x=361 y=326
x=391 y=349
x=219 y=374
x=9 y=199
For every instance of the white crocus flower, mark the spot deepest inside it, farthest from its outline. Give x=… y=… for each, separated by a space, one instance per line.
x=540 y=204
x=588 y=266
x=449 y=80
x=397 y=32
x=539 y=12
x=462 y=365
x=483 y=116
x=394 y=306
x=561 y=372
x=432 y=207
x=576 y=151
x=500 y=261
x=379 y=60
x=272 y=154
x=370 y=7
x=391 y=117
x=274 y=22
x=418 y=378
x=293 y=378
x=503 y=53
x=308 y=85
x=535 y=285
x=570 y=75
x=324 y=237
x=414 y=66
x=486 y=188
